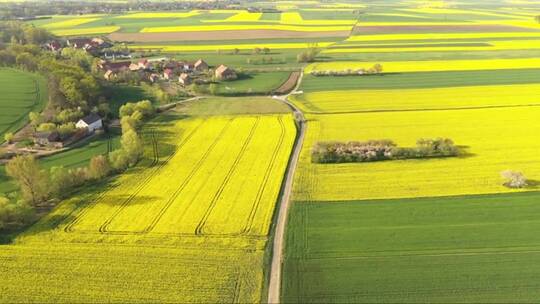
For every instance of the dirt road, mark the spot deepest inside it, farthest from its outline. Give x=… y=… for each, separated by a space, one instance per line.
x=274 y=288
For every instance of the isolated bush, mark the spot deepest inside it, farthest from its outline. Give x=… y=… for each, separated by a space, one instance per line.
x=14 y=215
x=99 y=167
x=8 y=137
x=514 y=179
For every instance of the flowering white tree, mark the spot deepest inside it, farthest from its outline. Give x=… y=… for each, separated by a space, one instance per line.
x=514 y=179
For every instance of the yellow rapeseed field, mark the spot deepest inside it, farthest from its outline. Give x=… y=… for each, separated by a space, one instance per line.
x=244 y=17
x=494 y=140
x=448 y=11
x=432 y=36
x=493 y=46
x=239 y=27
x=68 y=23
x=160 y=15
x=223 y=179
x=224 y=47
x=291 y=17
x=430 y=65
x=420 y=99
x=86 y=31
x=195 y=212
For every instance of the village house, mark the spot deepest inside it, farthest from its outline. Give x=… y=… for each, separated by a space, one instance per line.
x=134 y=67
x=91 y=122
x=115 y=55
x=78 y=43
x=48 y=139
x=200 y=66
x=184 y=79
x=168 y=74
x=153 y=77
x=53 y=46
x=223 y=72
x=144 y=64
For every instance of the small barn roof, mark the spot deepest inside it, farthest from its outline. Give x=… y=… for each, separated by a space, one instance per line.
x=90 y=119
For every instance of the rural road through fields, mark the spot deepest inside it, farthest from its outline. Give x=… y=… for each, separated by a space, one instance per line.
x=279 y=235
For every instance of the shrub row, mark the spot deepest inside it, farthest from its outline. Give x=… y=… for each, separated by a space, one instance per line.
x=376 y=69
x=378 y=150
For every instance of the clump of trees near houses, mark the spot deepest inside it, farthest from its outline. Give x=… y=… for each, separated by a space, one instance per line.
x=39 y=187
x=308 y=55
x=376 y=69
x=379 y=150
x=74 y=90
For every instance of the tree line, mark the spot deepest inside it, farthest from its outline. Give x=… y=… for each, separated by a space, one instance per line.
x=378 y=150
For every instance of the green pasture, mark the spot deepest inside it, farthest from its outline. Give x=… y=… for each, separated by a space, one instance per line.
x=20 y=93
x=253 y=83
x=437 y=250
x=419 y=80
x=77 y=156
x=233 y=106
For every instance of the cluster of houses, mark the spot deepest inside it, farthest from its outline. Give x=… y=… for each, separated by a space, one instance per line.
x=93 y=46
x=163 y=69
x=85 y=126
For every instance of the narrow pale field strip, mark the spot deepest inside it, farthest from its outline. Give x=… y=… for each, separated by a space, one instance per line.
x=86 y=31
x=69 y=23
x=226 y=27
x=421 y=99
x=224 y=47
x=448 y=11
x=430 y=65
x=433 y=36
x=159 y=15
x=495 y=140
x=493 y=46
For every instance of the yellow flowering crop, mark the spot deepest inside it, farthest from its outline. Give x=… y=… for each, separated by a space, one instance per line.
x=430 y=65
x=69 y=23
x=86 y=31
x=494 y=140
x=420 y=99
x=160 y=15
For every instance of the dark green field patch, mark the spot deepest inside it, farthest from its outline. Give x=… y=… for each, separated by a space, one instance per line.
x=415 y=45
x=482 y=248
x=20 y=94
x=417 y=80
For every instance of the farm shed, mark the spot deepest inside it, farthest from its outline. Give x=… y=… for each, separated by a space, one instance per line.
x=223 y=72
x=91 y=122
x=47 y=139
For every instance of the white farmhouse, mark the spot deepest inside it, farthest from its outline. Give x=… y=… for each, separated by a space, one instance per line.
x=91 y=122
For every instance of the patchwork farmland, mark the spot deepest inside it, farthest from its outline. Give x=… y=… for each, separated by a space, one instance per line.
x=230 y=201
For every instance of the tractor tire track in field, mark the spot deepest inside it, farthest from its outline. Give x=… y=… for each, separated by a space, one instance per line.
x=267 y=173
x=69 y=227
x=145 y=182
x=274 y=285
x=232 y=169
x=195 y=169
x=140 y=186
